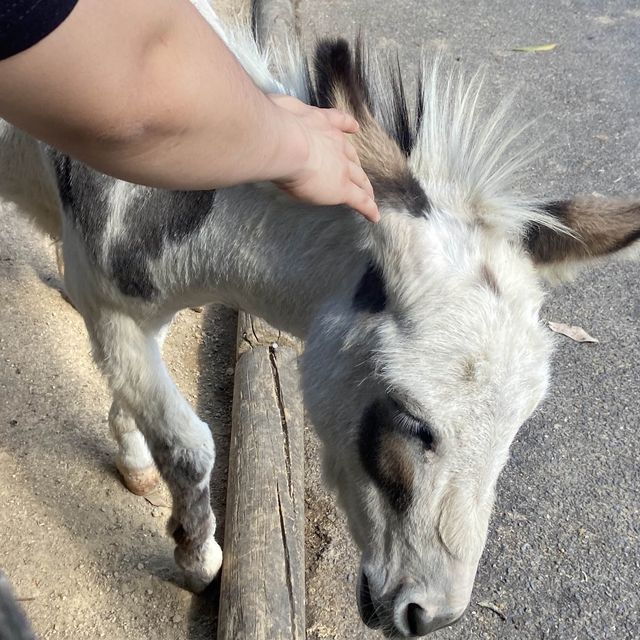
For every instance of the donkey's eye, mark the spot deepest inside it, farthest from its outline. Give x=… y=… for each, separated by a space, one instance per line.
x=415 y=427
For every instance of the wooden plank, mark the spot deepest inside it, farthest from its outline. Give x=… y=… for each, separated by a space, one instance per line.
x=262 y=590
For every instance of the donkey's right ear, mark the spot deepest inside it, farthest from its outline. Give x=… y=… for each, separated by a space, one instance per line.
x=599 y=228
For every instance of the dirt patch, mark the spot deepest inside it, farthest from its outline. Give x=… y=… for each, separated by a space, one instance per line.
x=88 y=558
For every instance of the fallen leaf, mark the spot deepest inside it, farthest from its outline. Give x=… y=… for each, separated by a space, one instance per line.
x=492 y=607
x=536 y=48
x=157 y=500
x=575 y=333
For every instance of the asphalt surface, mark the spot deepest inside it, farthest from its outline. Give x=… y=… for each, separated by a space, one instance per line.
x=563 y=555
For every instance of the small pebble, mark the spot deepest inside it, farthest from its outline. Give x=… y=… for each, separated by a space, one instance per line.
x=140 y=566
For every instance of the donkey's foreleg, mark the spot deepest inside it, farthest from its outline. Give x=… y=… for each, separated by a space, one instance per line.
x=133 y=460
x=180 y=443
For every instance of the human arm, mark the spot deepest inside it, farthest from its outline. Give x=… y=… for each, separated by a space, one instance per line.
x=147 y=92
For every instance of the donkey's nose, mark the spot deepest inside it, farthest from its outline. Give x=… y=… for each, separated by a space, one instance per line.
x=416 y=621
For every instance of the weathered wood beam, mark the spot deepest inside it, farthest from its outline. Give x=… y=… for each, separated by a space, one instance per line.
x=262 y=590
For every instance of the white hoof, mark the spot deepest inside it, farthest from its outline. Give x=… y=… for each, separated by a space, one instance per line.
x=202 y=567
x=140 y=481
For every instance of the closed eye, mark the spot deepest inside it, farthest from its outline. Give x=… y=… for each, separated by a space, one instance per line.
x=413 y=426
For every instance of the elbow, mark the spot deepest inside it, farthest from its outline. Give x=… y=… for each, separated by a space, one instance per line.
x=139 y=111
x=128 y=131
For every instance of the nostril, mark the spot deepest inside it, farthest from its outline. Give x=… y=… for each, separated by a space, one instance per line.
x=418 y=620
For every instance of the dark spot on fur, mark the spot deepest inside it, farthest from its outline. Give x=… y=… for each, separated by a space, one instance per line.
x=543 y=243
x=402 y=132
x=602 y=226
x=469 y=370
x=385 y=456
x=184 y=469
x=180 y=535
x=154 y=218
x=405 y=191
x=82 y=194
x=130 y=272
x=489 y=279
x=628 y=240
x=419 y=99
x=336 y=67
x=387 y=134
x=62 y=165
x=370 y=295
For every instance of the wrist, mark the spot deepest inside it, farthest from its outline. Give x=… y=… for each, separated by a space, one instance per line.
x=290 y=146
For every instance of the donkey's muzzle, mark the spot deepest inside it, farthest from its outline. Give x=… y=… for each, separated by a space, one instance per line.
x=415 y=617
x=366 y=607
x=406 y=615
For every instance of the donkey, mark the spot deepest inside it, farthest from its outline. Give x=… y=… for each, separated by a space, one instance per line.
x=424 y=353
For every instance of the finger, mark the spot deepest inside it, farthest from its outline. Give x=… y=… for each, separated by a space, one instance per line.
x=360 y=178
x=351 y=153
x=360 y=201
x=341 y=120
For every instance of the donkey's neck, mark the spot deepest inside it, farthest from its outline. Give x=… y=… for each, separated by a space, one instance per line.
x=276 y=258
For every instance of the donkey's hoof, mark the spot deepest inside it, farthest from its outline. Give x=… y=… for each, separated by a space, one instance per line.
x=200 y=568
x=140 y=481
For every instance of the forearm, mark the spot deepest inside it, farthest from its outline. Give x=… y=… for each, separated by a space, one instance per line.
x=172 y=107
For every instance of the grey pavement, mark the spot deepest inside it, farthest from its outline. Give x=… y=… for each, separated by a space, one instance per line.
x=563 y=556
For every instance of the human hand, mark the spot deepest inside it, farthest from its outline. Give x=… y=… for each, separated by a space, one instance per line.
x=330 y=172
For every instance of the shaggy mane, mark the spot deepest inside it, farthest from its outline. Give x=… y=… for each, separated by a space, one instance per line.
x=459 y=156
x=448 y=153
x=385 y=139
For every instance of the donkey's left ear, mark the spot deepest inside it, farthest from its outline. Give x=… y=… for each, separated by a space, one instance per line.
x=600 y=227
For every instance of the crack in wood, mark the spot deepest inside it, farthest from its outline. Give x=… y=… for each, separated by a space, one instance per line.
x=244 y=337
x=283 y=420
x=287 y=561
x=253 y=329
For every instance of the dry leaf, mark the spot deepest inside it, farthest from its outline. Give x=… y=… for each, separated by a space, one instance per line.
x=157 y=500
x=575 y=333
x=536 y=48
x=492 y=607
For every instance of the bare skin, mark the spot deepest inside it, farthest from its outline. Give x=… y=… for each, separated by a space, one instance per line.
x=147 y=92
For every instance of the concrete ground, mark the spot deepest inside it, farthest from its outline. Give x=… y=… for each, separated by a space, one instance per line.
x=90 y=560
x=563 y=555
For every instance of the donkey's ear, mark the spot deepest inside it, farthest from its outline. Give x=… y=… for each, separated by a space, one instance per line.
x=600 y=227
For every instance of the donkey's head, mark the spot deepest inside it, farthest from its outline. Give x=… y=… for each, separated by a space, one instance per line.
x=419 y=377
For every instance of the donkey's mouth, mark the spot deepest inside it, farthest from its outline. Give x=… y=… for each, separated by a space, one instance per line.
x=366 y=607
